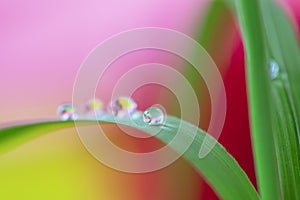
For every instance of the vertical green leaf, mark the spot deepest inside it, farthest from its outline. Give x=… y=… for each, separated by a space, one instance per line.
x=259 y=98
x=283 y=48
x=268 y=35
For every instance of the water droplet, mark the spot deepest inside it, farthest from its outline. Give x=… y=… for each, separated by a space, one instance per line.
x=94 y=106
x=122 y=106
x=154 y=116
x=273 y=69
x=66 y=112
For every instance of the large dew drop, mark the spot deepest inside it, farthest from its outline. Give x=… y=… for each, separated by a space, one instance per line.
x=154 y=116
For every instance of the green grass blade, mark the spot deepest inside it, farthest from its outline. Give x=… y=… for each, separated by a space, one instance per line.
x=273 y=38
x=219 y=168
x=259 y=98
x=12 y=137
x=283 y=47
x=286 y=141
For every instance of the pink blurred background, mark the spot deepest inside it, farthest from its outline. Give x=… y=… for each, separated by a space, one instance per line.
x=43 y=44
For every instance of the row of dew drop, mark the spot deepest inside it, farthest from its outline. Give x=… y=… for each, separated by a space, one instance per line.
x=121 y=107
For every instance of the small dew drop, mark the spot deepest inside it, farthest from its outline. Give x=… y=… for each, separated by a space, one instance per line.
x=273 y=69
x=154 y=116
x=122 y=106
x=66 y=112
x=94 y=106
